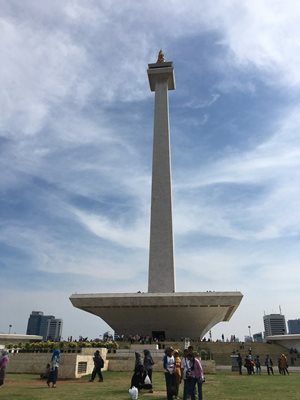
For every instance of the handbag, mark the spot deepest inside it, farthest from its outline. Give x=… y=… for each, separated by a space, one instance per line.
x=188 y=374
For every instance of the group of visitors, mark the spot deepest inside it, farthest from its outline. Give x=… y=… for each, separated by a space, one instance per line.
x=250 y=364
x=51 y=372
x=187 y=369
x=253 y=365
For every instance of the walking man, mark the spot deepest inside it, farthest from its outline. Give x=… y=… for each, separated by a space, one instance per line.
x=98 y=364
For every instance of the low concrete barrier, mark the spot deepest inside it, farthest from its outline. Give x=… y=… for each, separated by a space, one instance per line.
x=118 y=364
x=124 y=360
x=77 y=365
x=72 y=365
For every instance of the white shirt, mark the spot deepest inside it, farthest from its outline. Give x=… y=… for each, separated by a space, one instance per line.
x=185 y=365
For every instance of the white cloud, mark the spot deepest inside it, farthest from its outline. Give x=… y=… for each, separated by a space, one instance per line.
x=264 y=34
x=116 y=231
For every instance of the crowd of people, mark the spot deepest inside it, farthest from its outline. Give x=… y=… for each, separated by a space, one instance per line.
x=186 y=369
x=253 y=364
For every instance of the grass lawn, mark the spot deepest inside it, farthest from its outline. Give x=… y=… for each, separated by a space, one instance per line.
x=223 y=386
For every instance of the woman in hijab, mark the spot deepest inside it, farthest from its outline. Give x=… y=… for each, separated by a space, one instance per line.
x=177 y=372
x=54 y=364
x=137 y=379
x=4 y=359
x=148 y=364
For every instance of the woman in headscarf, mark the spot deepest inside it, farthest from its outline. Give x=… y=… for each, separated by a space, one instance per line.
x=148 y=365
x=177 y=372
x=4 y=359
x=54 y=364
x=137 y=379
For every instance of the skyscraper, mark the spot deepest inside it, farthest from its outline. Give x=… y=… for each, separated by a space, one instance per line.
x=274 y=324
x=294 y=326
x=54 y=329
x=34 y=323
x=44 y=325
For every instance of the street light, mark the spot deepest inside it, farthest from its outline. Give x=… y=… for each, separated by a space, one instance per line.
x=9 y=328
x=249 y=327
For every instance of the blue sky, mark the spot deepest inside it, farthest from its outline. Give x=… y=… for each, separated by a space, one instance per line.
x=76 y=126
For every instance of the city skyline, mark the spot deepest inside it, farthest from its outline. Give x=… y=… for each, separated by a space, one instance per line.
x=76 y=144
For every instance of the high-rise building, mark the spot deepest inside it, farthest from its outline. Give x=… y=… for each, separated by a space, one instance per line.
x=34 y=323
x=274 y=324
x=54 y=329
x=44 y=325
x=294 y=326
x=258 y=337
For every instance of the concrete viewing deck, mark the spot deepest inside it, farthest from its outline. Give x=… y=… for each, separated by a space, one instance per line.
x=175 y=314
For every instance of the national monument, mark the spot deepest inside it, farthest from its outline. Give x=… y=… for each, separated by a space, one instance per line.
x=162 y=312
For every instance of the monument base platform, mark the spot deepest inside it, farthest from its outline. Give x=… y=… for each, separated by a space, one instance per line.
x=170 y=316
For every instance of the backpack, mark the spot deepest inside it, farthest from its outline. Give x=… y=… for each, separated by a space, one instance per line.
x=101 y=362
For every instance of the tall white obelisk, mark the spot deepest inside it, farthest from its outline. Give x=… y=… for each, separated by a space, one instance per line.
x=161 y=255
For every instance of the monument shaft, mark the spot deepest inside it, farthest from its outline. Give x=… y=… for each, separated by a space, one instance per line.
x=161 y=255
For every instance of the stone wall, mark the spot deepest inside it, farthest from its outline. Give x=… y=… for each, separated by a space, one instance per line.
x=124 y=360
x=72 y=365
x=118 y=364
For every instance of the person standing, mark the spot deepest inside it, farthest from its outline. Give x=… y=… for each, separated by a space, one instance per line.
x=249 y=364
x=257 y=365
x=283 y=365
x=46 y=373
x=4 y=360
x=185 y=368
x=269 y=364
x=98 y=364
x=197 y=375
x=137 y=379
x=240 y=362
x=148 y=365
x=54 y=364
x=177 y=372
x=169 y=367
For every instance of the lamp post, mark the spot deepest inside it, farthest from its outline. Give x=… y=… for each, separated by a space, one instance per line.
x=249 y=327
x=9 y=328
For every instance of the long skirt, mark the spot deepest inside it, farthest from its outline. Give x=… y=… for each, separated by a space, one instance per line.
x=2 y=376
